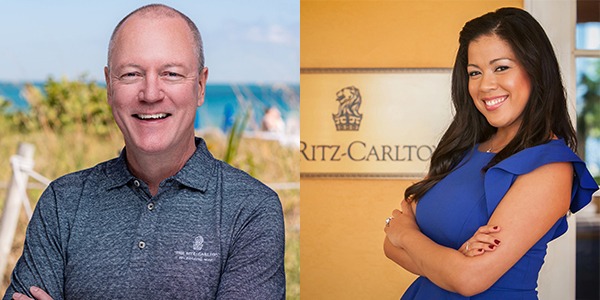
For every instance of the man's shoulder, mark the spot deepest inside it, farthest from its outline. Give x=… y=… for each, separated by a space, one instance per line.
x=238 y=181
x=245 y=197
x=77 y=179
x=69 y=190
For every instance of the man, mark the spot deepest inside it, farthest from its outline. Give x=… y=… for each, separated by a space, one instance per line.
x=165 y=220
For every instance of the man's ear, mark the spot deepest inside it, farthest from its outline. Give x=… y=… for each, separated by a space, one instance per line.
x=202 y=78
x=107 y=81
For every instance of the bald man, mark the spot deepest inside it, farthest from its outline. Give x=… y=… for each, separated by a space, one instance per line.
x=164 y=220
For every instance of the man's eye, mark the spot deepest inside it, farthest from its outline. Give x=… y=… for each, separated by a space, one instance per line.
x=130 y=74
x=172 y=76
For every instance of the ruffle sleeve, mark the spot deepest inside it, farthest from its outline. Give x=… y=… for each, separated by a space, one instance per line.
x=500 y=178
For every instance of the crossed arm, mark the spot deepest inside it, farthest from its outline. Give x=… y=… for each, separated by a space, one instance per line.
x=529 y=209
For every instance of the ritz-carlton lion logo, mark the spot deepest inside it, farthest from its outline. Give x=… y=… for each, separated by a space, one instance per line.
x=348 y=118
x=198 y=243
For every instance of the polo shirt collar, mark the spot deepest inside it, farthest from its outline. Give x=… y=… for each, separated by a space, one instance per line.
x=199 y=169
x=196 y=173
x=117 y=172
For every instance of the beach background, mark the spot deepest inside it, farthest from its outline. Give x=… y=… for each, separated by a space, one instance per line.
x=223 y=103
x=52 y=95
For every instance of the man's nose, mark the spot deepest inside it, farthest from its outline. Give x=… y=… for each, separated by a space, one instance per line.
x=152 y=89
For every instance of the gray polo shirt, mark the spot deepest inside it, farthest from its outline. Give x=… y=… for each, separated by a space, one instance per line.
x=211 y=232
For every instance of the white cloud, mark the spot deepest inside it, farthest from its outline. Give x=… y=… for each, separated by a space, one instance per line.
x=275 y=34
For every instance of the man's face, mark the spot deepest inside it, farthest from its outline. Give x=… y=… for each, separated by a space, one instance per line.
x=154 y=85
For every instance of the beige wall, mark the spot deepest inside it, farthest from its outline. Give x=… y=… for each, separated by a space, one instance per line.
x=342 y=219
x=385 y=33
x=341 y=240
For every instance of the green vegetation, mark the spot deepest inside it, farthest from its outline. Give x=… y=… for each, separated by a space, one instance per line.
x=588 y=115
x=71 y=127
x=63 y=107
x=235 y=135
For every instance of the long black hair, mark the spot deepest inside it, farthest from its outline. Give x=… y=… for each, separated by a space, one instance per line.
x=544 y=116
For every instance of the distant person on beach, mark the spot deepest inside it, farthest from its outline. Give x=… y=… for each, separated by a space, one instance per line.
x=272 y=121
x=228 y=118
x=164 y=220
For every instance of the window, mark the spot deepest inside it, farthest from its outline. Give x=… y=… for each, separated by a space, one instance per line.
x=587 y=68
x=587 y=73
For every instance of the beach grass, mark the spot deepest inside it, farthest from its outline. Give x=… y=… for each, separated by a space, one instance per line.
x=61 y=153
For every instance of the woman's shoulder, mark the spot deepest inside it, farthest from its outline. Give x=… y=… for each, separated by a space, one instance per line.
x=529 y=159
x=500 y=177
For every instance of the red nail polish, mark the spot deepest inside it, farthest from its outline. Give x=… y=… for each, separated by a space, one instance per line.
x=495 y=227
x=480 y=250
x=497 y=242
x=492 y=246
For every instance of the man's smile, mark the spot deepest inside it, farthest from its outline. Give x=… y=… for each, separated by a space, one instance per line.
x=158 y=116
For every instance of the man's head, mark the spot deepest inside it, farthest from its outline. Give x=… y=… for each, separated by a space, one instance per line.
x=162 y=10
x=155 y=80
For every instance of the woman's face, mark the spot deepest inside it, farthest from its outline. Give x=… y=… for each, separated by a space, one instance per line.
x=498 y=83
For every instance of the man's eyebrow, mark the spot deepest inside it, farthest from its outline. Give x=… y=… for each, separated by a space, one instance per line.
x=128 y=65
x=169 y=65
x=137 y=66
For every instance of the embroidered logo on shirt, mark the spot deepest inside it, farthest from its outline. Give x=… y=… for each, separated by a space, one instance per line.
x=198 y=243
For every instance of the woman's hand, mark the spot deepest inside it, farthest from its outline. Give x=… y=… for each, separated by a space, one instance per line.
x=401 y=223
x=481 y=242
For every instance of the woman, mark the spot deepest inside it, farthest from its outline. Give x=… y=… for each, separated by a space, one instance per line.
x=503 y=176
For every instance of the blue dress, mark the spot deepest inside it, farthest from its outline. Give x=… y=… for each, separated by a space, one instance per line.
x=451 y=212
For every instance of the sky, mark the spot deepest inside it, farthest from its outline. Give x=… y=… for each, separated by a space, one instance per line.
x=246 y=41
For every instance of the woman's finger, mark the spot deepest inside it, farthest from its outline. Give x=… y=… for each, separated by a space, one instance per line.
x=486 y=229
x=475 y=248
x=487 y=239
x=474 y=252
x=484 y=246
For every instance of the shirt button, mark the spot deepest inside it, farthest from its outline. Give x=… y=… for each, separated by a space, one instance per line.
x=136 y=183
x=151 y=206
x=141 y=245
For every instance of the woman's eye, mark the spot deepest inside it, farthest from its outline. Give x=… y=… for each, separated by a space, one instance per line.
x=501 y=68
x=473 y=73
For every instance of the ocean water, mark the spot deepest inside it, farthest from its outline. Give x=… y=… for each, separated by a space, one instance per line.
x=222 y=103
x=12 y=91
